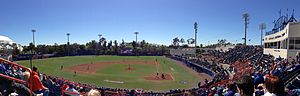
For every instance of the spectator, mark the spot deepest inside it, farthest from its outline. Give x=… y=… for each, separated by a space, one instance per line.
x=258 y=78
x=232 y=90
x=245 y=86
x=93 y=92
x=71 y=91
x=199 y=85
x=36 y=84
x=274 y=86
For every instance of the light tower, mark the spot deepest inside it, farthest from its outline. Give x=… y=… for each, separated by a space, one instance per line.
x=246 y=22
x=33 y=41
x=68 y=43
x=99 y=44
x=33 y=31
x=196 y=29
x=136 y=33
x=262 y=27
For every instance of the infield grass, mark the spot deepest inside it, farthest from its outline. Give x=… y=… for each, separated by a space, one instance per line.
x=117 y=72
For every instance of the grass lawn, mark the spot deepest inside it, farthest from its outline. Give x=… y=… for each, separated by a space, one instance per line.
x=116 y=72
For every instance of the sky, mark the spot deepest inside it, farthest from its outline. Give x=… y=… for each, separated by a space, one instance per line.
x=157 y=21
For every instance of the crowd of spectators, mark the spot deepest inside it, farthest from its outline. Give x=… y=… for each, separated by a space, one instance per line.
x=249 y=60
x=253 y=74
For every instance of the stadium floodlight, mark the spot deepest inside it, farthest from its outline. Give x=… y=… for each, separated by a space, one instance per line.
x=262 y=27
x=68 y=43
x=68 y=34
x=246 y=22
x=33 y=31
x=98 y=45
x=196 y=29
x=136 y=33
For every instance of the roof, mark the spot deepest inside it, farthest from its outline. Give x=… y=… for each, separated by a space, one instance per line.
x=4 y=39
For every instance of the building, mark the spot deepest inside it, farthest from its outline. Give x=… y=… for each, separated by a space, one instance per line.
x=284 y=39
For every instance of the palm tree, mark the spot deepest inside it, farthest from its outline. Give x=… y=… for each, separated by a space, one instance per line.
x=102 y=40
x=115 y=48
x=99 y=36
x=176 y=42
x=191 y=41
x=182 y=41
x=222 y=42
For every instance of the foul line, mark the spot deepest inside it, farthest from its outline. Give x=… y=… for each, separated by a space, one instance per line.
x=120 y=82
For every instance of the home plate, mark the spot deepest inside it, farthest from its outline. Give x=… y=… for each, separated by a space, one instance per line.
x=120 y=82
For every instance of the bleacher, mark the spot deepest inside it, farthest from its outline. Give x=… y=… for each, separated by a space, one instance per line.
x=247 y=60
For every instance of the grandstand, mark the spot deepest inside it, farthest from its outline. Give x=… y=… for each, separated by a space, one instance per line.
x=123 y=48
x=248 y=61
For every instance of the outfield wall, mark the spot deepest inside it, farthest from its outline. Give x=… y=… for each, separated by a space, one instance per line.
x=194 y=66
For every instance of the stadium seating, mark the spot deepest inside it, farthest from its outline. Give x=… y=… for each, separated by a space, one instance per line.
x=243 y=60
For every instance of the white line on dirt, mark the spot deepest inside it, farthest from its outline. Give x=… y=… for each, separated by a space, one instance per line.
x=120 y=82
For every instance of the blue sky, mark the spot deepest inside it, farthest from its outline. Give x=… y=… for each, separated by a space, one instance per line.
x=158 y=21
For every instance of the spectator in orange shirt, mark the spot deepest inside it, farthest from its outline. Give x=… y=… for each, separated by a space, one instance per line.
x=35 y=83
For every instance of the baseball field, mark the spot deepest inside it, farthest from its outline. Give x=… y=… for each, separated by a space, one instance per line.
x=156 y=73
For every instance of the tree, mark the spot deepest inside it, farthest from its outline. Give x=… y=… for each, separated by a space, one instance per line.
x=55 y=47
x=164 y=49
x=91 y=46
x=31 y=47
x=222 y=42
x=201 y=45
x=74 y=49
x=191 y=41
x=15 y=51
x=182 y=41
x=116 y=48
x=176 y=42
x=104 y=47
x=109 y=47
x=122 y=45
x=143 y=44
x=134 y=45
x=102 y=40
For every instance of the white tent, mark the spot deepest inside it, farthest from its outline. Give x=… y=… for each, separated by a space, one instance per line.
x=6 y=47
x=5 y=40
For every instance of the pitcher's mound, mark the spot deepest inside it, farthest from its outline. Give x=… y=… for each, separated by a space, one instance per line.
x=154 y=77
x=130 y=69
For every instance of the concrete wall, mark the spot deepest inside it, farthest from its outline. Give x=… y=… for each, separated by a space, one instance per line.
x=292 y=54
x=294 y=29
x=184 y=51
x=276 y=52
x=291 y=30
x=225 y=48
x=283 y=35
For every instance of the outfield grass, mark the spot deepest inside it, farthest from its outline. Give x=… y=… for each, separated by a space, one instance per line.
x=132 y=79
